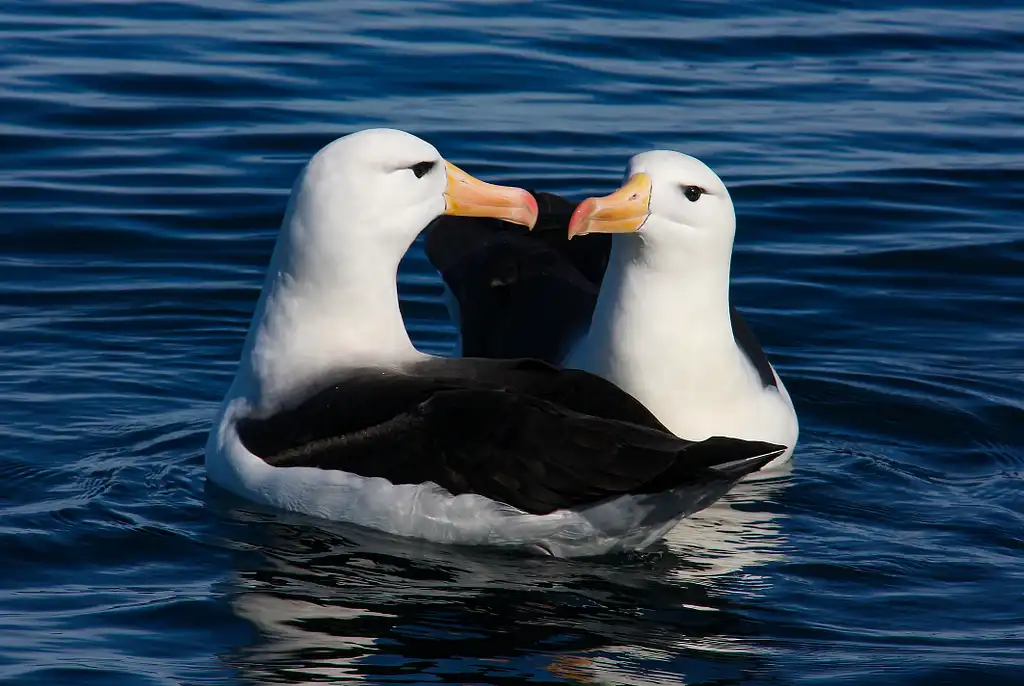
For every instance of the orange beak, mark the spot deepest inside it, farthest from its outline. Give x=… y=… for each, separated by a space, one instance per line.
x=623 y=211
x=468 y=196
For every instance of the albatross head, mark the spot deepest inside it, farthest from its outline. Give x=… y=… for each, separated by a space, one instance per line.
x=330 y=296
x=385 y=185
x=669 y=200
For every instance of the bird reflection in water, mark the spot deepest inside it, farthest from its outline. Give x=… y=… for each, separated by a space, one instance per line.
x=337 y=603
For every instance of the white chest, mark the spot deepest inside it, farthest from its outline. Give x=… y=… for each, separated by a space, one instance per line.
x=698 y=396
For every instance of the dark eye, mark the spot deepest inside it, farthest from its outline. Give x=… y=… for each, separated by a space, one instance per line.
x=693 y=193
x=420 y=169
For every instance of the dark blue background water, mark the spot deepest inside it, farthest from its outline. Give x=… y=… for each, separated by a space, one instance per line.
x=876 y=156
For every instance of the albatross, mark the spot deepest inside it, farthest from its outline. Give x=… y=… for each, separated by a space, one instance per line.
x=334 y=413
x=640 y=298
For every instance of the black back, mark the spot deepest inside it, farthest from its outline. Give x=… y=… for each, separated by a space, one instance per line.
x=517 y=431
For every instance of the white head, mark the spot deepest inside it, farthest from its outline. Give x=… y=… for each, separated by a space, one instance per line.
x=376 y=189
x=670 y=202
x=330 y=297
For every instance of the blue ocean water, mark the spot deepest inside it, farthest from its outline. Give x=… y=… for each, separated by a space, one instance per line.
x=875 y=155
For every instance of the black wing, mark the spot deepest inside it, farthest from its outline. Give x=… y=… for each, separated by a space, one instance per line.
x=515 y=431
x=532 y=294
x=520 y=294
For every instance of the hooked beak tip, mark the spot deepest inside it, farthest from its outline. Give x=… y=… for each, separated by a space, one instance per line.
x=532 y=208
x=580 y=220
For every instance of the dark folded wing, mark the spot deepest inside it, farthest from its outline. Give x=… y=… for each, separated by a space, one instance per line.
x=470 y=436
x=520 y=294
x=540 y=457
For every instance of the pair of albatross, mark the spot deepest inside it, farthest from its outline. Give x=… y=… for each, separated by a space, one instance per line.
x=651 y=413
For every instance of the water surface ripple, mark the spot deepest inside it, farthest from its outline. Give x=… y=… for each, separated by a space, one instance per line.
x=874 y=154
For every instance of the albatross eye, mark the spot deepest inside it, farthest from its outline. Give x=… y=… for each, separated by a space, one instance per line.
x=693 y=193
x=420 y=169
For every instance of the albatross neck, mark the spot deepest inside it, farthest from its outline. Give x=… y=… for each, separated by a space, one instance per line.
x=661 y=316
x=324 y=308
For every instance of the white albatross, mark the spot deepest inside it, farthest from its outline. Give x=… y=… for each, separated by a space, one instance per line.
x=645 y=305
x=334 y=413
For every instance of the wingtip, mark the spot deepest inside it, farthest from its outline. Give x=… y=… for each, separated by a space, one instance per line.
x=737 y=469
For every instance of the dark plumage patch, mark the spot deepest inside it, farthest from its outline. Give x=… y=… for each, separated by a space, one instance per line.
x=516 y=431
x=532 y=294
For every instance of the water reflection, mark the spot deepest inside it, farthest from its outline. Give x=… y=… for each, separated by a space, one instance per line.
x=337 y=603
x=741 y=532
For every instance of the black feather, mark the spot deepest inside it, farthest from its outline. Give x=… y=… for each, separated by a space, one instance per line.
x=532 y=294
x=516 y=431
